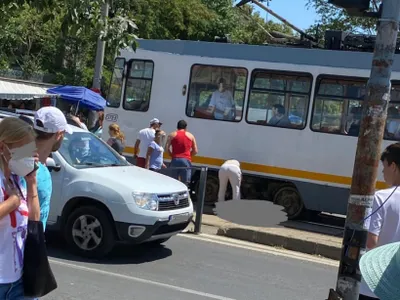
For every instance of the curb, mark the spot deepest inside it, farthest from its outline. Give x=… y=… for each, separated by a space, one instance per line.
x=249 y=234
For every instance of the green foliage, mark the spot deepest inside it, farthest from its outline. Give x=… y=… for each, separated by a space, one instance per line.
x=59 y=37
x=334 y=18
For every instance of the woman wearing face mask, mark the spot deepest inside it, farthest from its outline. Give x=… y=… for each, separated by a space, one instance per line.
x=154 y=156
x=18 y=201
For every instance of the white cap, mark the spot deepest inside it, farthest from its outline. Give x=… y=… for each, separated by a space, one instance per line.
x=53 y=120
x=155 y=121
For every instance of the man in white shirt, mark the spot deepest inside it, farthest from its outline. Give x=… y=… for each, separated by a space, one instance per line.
x=385 y=221
x=145 y=137
x=221 y=103
x=229 y=171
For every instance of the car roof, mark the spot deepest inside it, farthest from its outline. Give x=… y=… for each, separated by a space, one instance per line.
x=5 y=112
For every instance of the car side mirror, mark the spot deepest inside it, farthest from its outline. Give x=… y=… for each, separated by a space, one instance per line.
x=123 y=157
x=51 y=165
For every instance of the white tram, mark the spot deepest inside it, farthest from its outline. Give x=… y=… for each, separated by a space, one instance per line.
x=306 y=165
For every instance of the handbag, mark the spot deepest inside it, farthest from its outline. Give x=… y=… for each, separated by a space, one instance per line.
x=38 y=278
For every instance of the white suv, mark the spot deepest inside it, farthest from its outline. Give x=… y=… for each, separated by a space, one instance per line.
x=99 y=198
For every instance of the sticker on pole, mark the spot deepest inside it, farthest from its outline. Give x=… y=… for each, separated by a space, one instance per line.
x=362 y=200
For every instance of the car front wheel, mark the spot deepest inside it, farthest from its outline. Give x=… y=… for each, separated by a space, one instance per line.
x=89 y=232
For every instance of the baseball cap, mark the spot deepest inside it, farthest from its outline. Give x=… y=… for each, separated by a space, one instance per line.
x=53 y=120
x=155 y=121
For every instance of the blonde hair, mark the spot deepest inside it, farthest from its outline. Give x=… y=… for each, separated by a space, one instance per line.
x=118 y=133
x=13 y=130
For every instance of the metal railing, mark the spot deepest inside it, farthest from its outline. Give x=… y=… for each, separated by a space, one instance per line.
x=200 y=197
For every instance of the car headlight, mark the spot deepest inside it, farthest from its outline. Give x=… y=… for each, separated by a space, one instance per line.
x=145 y=200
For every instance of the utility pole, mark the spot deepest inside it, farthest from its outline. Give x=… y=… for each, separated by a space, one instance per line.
x=101 y=46
x=368 y=153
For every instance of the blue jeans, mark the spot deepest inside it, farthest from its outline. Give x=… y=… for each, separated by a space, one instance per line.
x=184 y=174
x=12 y=291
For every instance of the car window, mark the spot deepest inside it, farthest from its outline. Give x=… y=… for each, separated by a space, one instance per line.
x=85 y=150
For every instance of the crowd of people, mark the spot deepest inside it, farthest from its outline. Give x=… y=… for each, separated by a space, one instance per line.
x=181 y=146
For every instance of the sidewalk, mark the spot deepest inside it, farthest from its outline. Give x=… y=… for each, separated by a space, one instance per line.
x=291 y=239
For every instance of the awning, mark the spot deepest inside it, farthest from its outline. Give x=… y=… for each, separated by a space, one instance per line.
x=17 y=90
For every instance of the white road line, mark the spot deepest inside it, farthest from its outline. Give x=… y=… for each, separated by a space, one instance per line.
x=261 y=248
x=141 y=280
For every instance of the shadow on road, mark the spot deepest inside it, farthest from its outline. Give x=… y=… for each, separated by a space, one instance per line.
x=121 y=255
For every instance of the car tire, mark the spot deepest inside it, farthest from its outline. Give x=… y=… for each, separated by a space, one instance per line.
x=98 y=231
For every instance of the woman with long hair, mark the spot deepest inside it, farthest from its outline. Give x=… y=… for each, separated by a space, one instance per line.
x=117 y=138
x=18 y=201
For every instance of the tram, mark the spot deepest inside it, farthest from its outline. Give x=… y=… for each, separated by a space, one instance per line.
x=304 y=164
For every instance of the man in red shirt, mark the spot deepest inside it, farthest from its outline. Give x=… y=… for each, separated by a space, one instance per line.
x=181 y=146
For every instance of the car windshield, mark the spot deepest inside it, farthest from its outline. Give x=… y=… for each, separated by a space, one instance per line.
x=85 y=150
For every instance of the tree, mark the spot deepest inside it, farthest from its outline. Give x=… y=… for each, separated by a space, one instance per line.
x=59 y=36
x=250 y=28
x=27 y=41
x=334 y=18
x=172 y=19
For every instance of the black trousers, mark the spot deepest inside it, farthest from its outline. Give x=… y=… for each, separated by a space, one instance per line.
x=363 y=297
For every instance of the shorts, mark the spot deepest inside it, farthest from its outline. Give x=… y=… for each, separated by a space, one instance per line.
x=186 y=173
x=140 y=162
x=12 y=291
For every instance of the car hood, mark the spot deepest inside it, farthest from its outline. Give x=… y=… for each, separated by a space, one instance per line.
x=134 y=178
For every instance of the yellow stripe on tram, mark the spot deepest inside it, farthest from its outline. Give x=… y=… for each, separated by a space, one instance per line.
x=301 y=174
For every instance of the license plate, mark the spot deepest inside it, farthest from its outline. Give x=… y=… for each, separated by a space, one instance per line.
x=176 y=219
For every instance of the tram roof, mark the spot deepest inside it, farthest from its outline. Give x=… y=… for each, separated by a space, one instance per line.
x=268 y=53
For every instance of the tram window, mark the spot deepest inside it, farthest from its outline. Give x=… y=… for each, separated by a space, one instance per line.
x=337 y=105
x=115 y=89
x=279 y=99
x=138 y=85
x=392 y=129
x=216 y=93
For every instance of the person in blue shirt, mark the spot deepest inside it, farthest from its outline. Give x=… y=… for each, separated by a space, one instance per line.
x=155 y=151
x=50 y=125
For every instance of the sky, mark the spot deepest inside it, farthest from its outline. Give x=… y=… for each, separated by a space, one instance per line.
x=294 y=11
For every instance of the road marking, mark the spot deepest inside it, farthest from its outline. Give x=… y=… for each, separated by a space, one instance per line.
x=261 y=248
x=141 y=280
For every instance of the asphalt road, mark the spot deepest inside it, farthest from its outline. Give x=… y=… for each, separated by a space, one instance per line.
x=191 y=268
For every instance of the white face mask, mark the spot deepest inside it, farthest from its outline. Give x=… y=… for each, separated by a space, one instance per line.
x=22 y=161
x=23 y=166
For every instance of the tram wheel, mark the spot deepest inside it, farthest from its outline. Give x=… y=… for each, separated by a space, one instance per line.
x=288 y=197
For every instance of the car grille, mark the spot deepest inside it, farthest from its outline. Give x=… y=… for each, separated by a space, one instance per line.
x=169 y=201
